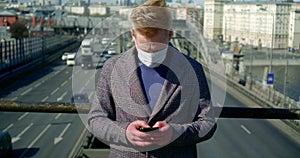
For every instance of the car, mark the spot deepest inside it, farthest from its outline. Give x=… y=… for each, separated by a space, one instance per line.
x=100 y=53
x=291 y=49
x=86 y=62
x=113 y=43
x=64 y=56
x=106 y=57
x=71 y=59
x=112 y=51
x=80 y=98
x=5 y=145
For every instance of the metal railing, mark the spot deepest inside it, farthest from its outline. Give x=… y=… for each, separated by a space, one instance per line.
x=225 y=112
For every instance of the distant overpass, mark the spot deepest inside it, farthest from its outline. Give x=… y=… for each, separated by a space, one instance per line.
x=275 y=62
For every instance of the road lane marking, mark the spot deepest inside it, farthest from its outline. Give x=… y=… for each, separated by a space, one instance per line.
x=245 y=129
x=91 y=95
x=18 y=137
x=35 y=140
x=38 y=84
x=21 y=117
x=81 y=137
x=45 y=99
x=14 y=99
x=65 y=82
x=57 y=116
x=87 y=83
x=55 y=91
x=27 y=91
x=81 y=89
x=8 y=127
x=60 y=137
x=62 y=96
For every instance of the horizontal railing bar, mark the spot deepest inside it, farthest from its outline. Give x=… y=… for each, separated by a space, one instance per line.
x=225 y=112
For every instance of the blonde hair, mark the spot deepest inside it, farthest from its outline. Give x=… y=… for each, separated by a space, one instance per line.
x=150 y=17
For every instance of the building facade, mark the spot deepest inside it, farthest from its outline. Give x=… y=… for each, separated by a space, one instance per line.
x=265 y=24
x=213 y=18
x=98 y=10
x=294 y=31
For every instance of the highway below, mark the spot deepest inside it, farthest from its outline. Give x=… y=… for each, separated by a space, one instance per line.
x=55 y=135
x=44 y=134
x=250 y=138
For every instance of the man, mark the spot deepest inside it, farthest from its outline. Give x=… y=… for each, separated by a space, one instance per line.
x=152 y=101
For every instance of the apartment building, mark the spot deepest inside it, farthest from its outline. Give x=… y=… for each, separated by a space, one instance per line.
x=265 y=24
x=294 y=25
x=213 y=18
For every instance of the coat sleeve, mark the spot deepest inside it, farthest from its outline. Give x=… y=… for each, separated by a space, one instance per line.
x=204 y=125
x=101 y=118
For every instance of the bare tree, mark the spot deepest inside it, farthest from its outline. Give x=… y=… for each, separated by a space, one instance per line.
x=18 y=29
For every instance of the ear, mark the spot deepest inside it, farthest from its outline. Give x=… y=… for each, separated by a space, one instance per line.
x=132 y=32
x=170 y=34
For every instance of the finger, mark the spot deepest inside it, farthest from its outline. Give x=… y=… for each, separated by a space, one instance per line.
x=141 y=136
x=140 y=123
x=160 y=124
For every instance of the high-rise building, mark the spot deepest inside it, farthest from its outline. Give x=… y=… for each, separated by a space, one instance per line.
x=213 y=10
x=124 y=2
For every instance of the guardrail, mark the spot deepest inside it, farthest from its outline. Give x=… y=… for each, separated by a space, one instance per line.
x=225 y=112
x=54 y=53
x=19 y=52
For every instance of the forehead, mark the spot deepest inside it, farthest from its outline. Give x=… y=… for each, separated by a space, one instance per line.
x=159 y=37
x=151 y=32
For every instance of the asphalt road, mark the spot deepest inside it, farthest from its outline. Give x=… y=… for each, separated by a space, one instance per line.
x=250 y=138
x=45 y=134
x=41 y=134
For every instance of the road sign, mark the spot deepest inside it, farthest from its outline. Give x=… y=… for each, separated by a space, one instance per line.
x=270 y=78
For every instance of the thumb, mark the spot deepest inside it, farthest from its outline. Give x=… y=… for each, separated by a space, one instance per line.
x=140 y=123
x=160 y=124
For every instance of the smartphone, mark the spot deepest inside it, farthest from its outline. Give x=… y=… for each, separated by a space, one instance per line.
x=145 y=129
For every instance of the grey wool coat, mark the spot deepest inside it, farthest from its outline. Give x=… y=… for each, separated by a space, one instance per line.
x=184 y=102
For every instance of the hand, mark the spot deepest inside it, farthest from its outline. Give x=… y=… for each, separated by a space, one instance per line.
x=136 y=137
x=164 y=135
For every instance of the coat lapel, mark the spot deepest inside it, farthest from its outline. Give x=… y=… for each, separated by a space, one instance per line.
x=136 y=88
x=171 y=83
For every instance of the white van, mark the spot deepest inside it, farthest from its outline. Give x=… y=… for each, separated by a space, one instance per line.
x=71 y=59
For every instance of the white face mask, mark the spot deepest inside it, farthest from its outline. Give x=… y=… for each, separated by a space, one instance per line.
x=152 y=59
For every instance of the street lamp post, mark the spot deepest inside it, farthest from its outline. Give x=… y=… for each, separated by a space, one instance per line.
x=272 y=36
x=271 y=47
